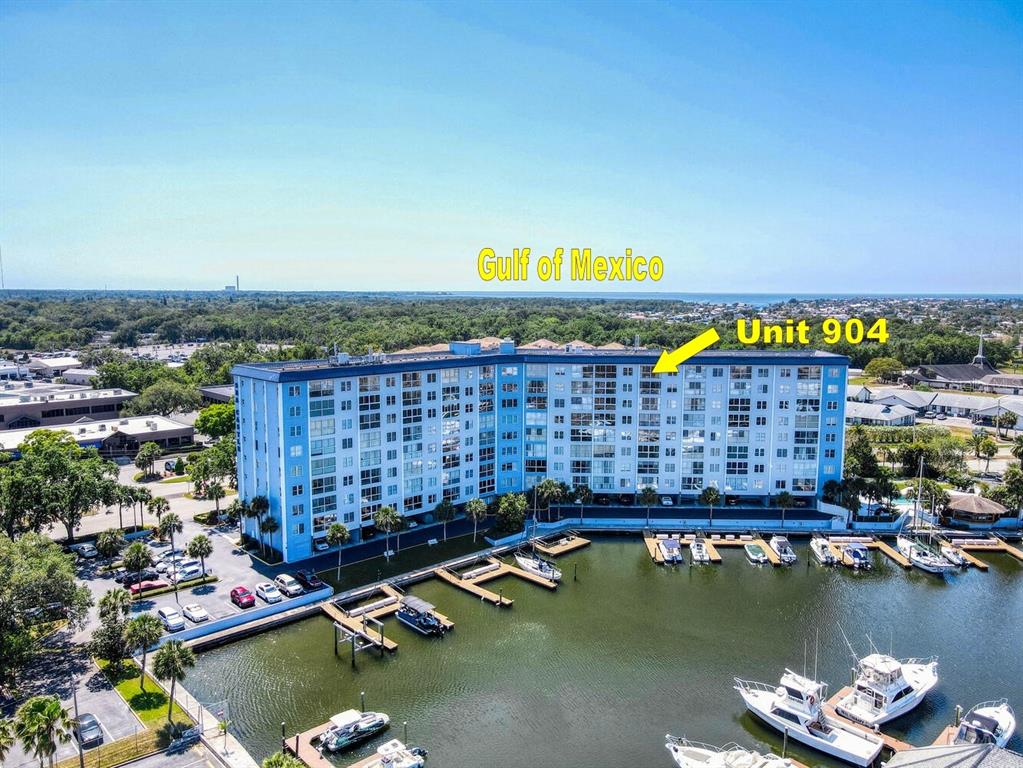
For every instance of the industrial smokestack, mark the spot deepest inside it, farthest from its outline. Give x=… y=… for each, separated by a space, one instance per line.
x=236 y=283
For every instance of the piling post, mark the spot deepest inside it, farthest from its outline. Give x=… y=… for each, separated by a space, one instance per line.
x=362 y=701
x=380 y=629
x=284 y=738
x=296 y=745
x=353 y=650
x=784 y=741
x=404 y=726
x=575 y=572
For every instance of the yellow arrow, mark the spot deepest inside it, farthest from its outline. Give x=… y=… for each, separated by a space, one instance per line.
x=670 y=361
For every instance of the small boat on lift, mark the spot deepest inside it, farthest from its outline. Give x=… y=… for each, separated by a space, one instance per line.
x=417 y=614
x=671 y=550
x=992 y=722
x=351 y=727
x=538 y=566
x=694 y=754
x=755 y=554
x=821 y=549
x=784 y=550
x=698 y=549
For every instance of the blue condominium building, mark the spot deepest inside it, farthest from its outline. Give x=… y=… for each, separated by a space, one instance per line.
x=334 y=440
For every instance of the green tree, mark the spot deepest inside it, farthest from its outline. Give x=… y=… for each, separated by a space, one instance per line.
x=146 y=458
x=170 y=524
x=884 y=368
x=445 y=511
x=1017 y=448
x=476 y=509
x=387 y=519
x=976 y=440
x=269 y=526
x=171 y=662
x=158 y=507
x=110 y=542
x=548 y=491
x=7 y=737
x=710 y=497
x=137 y=558
x=179 y=467
x=282 y=760
x=200 y=547
x=37 y=582
x=584 y=496
x=988 y=449
x=337 y=536
x=42 y=724
x=216 y=421
x=141 y=633
x=647 y=497
x=215 y=493
x=108 y=640
x=1005 y=421
x=511 y=511
x=165 y=398
x=784 y=501
x=142 y=497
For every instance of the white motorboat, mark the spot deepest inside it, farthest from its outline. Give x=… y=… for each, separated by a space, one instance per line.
x=856 y=556
x=351 y=727
x=755 y=554
x=784 y=550
x=795 y=707
x=821 y=549
x=953 y=555
x=694 y=754
x=886 y=688
x=538 y=566
x=992 y=722
x=699 y=552
x=922 y=557
x=671 y=550
x=394 y=754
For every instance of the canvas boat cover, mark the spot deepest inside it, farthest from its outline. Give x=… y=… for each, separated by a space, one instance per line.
x=417 y=604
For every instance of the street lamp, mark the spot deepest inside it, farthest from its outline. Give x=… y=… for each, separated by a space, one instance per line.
x=78 y=733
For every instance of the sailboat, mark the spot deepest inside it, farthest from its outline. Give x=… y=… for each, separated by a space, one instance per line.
x=923 y=556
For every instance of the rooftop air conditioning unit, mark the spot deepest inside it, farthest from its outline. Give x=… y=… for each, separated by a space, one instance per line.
x=123 y=421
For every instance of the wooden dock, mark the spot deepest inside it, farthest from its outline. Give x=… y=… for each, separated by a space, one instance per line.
x=301 y=746
x=513 y=570
x=473 y=588
x=772 y=556
x=356 y=625
x=992 y=544
x=976 y=562
x=654 y=550
x=895 y=745
x=945 y=737
x=890 y=551
x=564 y=545
x=712 y=551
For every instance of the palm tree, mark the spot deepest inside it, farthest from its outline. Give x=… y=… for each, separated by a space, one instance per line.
x=258 y=506
x=988 y=449
x=1017 y=448
x=445 y=511
x=977 y=440
x=337 y=536
x=387 y=519
x=548 y=490
x=7 y=737
x=269 y=526
x=282 y=760
x=124 y=496
x=115 y=605
x=476 y=509
x=141 y=495
x=709 y=497
x=143 y=632
x=215 y=493
x=169 y=525
x=110 y=542
x=648 y=497
x=171 y=663
x=784 y=501
x=137 y=558
x=42 y=724
x=200 y=547
x=158 y=506
x=584 y=496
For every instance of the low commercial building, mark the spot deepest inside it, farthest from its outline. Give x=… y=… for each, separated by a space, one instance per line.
x=32 y=405
x=217 y=393
x=999 y=406
x=51 y=367
x=115 y=437
x=878 y=414
x=83 y=376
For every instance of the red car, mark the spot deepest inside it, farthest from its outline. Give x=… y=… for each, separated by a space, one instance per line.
x=145 y=586
x=241 y=597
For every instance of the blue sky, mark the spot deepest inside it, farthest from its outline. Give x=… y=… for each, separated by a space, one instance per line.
x=789 y=147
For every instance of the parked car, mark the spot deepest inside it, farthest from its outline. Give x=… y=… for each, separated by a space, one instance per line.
x=189 y=572
x=147 y=574
x=171 y=619
x=941 y=417
x=88 y=731
x=87 y=551
x=241 y=597
x=309 y=580
x=195 y=613
x=288 y=585
x=168 y=466
x=929 y=414
x=667 y=502
x=320 y=545
x=268 y=592
x=146 y=586
x=171 y=563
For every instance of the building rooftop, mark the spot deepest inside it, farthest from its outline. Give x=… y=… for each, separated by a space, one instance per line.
x=956 y=756
x=88 y=431
x=58 y=394
x=876 y=411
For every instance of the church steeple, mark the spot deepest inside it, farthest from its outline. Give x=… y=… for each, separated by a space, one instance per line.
x=980 y=359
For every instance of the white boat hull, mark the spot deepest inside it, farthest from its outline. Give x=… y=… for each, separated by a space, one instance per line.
x=842 y=742
x=530 y=565
x=822 y=552
x=921 y=678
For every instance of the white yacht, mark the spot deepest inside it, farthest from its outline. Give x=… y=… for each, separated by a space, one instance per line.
x=992 y=722
x=698 y=549
x=694 y=754
x=755 y=554
x=886 y=688
x=922 y=557
x=671 y=550
x=538 y=566
x=784 y=550
x=856 y=556
x=394 y=754
x=795 y=707
x=821 y=549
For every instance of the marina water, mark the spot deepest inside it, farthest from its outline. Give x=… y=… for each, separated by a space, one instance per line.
x=597 y=672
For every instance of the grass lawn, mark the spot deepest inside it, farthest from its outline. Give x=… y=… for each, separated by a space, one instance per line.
x=176 y=479
x=151 y=704
x=181 y=587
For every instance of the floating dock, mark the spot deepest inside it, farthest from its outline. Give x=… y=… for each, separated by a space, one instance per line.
x=472 y=588
x=492 y=568
x=355 y=623
x=301 y=746
x=990 y=544
x=895 y=745
x=976 y=562
x=390 y=591
x=890 y=551
x=562 y=546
